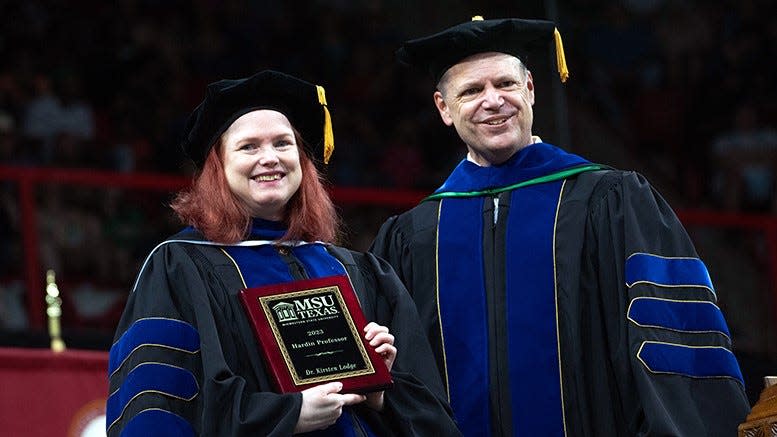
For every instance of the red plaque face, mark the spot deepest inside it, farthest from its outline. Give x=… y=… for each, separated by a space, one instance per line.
x=311 y=333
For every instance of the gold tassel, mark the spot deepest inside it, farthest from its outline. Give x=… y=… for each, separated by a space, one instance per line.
x=561 y=60
x=477 y=18
x=329 y=137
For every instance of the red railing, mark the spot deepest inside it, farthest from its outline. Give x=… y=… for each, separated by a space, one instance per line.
x=28 y=177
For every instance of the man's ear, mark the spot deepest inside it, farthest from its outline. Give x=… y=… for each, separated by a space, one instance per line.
x=530 y=87
x=442 y=108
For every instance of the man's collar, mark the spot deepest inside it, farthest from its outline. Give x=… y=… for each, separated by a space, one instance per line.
x=534 y=140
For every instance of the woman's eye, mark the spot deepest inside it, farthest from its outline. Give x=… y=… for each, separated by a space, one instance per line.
x=247 y=146
x=283 y=143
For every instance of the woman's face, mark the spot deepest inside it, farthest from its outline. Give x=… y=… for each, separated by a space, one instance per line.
x=261 y=162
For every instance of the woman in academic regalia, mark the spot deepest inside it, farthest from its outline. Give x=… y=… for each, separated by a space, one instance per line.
x=186 y=360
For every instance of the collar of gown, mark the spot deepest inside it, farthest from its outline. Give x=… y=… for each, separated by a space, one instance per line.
x=533 y=161
x=266 y=229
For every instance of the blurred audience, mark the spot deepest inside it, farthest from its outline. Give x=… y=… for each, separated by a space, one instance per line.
x=686 y=84
x=668 y=76
x=746 y=162
x=665 y=74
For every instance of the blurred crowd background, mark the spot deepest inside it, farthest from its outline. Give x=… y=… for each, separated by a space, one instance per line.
x=681 y=90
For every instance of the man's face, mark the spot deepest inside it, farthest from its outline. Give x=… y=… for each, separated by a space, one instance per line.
x=488 y=98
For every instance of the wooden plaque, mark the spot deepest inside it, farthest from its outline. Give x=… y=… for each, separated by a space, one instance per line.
x=311 y=332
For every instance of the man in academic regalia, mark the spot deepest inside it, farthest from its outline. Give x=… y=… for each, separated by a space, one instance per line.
x=561 y=297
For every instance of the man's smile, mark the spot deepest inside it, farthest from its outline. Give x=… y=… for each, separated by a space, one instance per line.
x=496 y=120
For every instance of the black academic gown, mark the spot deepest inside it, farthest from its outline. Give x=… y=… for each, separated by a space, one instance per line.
x=637 y=347
x=186 y=361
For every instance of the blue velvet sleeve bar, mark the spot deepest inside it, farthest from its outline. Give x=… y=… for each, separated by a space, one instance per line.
x=667 y=271
x=696 y=362
x=157 y=332
x=689 y=316
x=157 y=423
x=163 y=379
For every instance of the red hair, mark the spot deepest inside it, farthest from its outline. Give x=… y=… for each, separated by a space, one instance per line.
x=211 y=207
